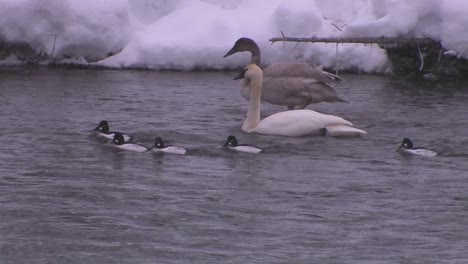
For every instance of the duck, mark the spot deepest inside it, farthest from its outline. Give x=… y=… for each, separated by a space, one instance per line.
x=407 y=147
x=294 y=85
x=159 y=146
x=232 y=143
x=103 y=130
x=119 y=142
x=293 y=123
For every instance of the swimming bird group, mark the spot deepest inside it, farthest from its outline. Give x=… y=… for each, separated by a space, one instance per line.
x=103 y=130
x=295 y=85
x=123 y=141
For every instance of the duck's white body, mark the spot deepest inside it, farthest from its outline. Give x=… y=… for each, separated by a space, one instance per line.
x=132 y=147
x=294 y=123
x=110 y=135
x=171 y=150
x=246 y=148
x=420 y=152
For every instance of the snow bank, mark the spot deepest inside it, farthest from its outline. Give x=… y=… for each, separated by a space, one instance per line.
x=188 y=34
x=84 y=28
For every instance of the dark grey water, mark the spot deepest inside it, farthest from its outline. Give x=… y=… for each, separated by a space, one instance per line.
x=69 y=197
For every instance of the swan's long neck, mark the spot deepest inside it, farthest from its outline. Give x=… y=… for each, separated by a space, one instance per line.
x=255 y=51
x=253 y=113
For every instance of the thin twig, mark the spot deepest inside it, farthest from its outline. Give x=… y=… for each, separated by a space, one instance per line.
x=441 y=51
x=337 y=63
x=333 y=24
x=53 y=47
x=421 y=57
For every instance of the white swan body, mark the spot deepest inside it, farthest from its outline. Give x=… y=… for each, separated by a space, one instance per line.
x=303 y=122
x=292 y=123
x=294 y=85
x=340 y=131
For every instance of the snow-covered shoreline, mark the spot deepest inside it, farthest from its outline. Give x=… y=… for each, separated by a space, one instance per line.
x=194 y=34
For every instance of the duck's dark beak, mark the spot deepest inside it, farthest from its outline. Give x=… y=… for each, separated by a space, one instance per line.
x=241 y=75
x=230 y=52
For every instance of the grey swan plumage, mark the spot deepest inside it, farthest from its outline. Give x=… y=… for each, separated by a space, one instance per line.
x=294 y=85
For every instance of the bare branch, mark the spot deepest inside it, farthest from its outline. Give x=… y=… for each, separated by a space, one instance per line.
x=379 y=40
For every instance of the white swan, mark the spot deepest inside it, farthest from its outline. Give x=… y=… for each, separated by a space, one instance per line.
x=293 y=123
x=294 y=85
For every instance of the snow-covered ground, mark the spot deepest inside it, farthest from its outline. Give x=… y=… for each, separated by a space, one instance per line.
x=188 y=34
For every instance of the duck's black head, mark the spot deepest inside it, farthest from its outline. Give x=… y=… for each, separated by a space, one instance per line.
x=407 y=143
x=231 y=141
x=158 y=143
x=118 y=139
x=103 y=127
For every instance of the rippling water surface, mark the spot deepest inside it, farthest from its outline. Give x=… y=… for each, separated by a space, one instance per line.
x=69 y=197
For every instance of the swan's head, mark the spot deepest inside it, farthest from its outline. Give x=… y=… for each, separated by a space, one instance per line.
x=249 y=72
x=242 y=44
x=407 y=144
x=118 y=139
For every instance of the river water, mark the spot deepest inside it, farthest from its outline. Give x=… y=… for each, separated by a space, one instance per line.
x=69 y=197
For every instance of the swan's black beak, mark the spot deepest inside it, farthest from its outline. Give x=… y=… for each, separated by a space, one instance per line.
x=230 y=52
x=241 y=75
